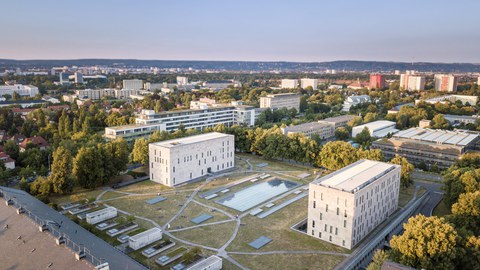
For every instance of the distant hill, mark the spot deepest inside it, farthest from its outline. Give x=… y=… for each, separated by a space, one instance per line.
x=249 y=66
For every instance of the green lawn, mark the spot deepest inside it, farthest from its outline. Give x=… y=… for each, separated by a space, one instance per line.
x=277 y=227
x=212 y=236
x=442 y=209
x=193 y=210
x=289 y=261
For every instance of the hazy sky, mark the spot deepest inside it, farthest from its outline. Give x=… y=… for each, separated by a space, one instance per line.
x=257 y=30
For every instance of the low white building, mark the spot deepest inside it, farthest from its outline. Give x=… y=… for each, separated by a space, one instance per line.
x=178 y=161
x=322 y=130
x=472 y=100
x=354 y=100
x=20 y=89
x=377 y=129
x=211 y=263
x=101 y=215
x=142 y=239
x=345 y=206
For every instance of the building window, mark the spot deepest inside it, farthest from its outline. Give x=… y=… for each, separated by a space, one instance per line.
x=336 y=231
x=326 y=208
x=345 y=223
x=321 y=196
x=313 y=223
x=173 y=168
x=331 y=228
x=314 y=204
x=325 y=224
x=320 y=234
x=330 y=238
x=343 y=243
x=321 y=216
x=338 y=211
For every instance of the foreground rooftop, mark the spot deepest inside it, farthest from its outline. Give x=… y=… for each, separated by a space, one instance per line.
x=191 y=140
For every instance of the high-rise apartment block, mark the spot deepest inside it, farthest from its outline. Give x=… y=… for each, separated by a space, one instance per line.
x=345 y=206
x=133 y=84
x=178 y=161
x=377 y=81
x=78 y=77
x=412 y=82
x=446 y=83
x=182 y=80
x=278 y=101
x=289 y=83
x=304 y=83
x=64 y=80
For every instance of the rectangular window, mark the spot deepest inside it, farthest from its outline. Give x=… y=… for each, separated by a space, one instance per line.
x=325 y=224
x=313 y=223
x=343 y=242
x=330 y=238
x=321 y=216
x=313 y=232
x=320 y=234
x=344 y=223
x=314 y=204
x=336 y=231
x=331 y=229
x=338 y=211
x=326 y=208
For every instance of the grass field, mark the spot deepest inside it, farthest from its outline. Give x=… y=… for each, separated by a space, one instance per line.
x=277 y=227
x=289 y=261
x=193 y=210
x=212 y=236
x=77 y=195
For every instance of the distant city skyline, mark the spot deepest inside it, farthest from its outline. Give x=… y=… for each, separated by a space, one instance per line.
x=298 y=31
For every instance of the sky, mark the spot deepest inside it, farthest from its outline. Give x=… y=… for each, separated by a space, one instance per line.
x=243 y=30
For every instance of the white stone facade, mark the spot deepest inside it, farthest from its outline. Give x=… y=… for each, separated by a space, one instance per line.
x=177 y=161
x=278 y=101
x=345 y=206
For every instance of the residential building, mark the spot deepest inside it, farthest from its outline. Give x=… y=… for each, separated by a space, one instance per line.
x=289 y=83
x=358 y=85
x=472 y=100
x=377 y=129
x=345 y=206
x=78 y=77
x=428 y=146
x=446 y=82
x=64 y=78
x=211 y=263
x=96 y=94
x=20 y=89
x=323 y=130
x=133 y=84
x=153 y=86
x=7 y=161
x=148 y=121
x=278 y=101
x=182 y=80
x=412 y=82
x=338 y=121
x=304 y=83
x=39 y=141
x=22 y=103
x=355 y=100
x=178 y=161
x=377 y=81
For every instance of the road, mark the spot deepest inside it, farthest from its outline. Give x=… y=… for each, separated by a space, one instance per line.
x=436 y=195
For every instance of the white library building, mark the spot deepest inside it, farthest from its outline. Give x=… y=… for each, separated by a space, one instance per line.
x=344 y=206
x=177 y=161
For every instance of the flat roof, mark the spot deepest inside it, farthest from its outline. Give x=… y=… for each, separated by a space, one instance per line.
x=373 y=126
x=340 y=118
x=205 y=262
x=355 y=176
x=437 y=136
x=191 y=140
x=131 y=126
x=305 y=126
x=145 y=233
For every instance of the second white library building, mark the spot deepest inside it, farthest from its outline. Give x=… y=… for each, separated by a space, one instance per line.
x=344 y=206
x=177 y=161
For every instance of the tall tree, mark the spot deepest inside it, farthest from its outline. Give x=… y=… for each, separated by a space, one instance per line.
x=427 y=242
x=407 y=168
x=61 y=171
x=337 y=154
x=140 y=151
